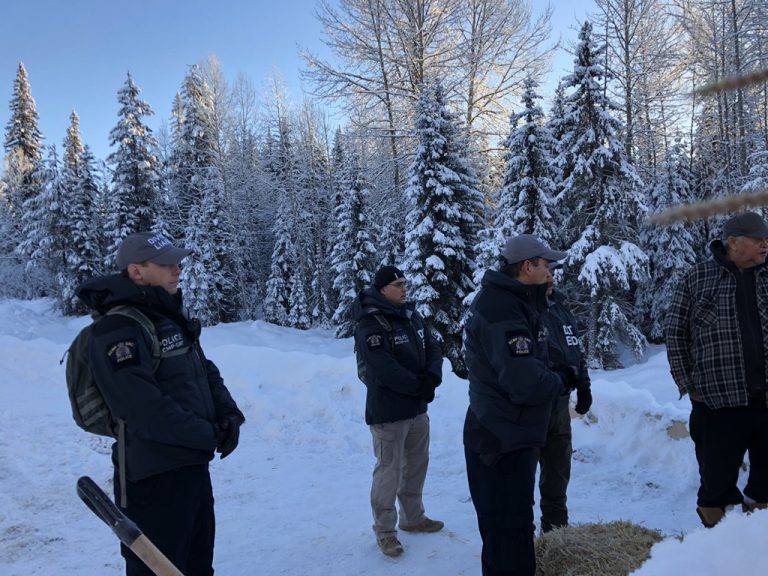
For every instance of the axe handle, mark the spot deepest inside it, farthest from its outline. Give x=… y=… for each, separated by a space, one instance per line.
x=124 y=528
x=152 y=557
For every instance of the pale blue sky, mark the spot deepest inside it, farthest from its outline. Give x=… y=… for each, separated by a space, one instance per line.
x=77 y=52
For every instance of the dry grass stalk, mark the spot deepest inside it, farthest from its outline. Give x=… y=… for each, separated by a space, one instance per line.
x=733 y=83
x=699 y=210
x=612 y=549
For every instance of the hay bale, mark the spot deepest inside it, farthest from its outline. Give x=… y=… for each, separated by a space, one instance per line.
x=612 y=549
x=678 y=430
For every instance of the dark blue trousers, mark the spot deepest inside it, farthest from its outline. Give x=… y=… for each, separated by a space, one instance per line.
x=502 y=493
x=175 y=511
x=555 y=461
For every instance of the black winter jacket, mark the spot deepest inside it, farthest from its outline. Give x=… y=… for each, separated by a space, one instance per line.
x=170 y=413
x=512 y=391
x=393 y=361
x=563 y=340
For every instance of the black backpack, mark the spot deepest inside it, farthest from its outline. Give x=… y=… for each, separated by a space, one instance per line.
x=89 y=410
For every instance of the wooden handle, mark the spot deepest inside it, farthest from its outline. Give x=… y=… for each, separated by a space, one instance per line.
x=153 y=558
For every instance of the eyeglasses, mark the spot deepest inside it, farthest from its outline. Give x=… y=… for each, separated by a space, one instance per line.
x=400 y=284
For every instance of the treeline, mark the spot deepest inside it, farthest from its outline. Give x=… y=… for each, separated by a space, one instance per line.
x=446 y=151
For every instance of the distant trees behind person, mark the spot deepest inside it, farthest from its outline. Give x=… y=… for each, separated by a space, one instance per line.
x=444 y=150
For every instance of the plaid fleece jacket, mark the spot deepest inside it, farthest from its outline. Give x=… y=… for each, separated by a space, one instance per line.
x=703 y=338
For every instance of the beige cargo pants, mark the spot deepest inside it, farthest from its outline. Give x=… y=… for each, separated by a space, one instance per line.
x=402 y=456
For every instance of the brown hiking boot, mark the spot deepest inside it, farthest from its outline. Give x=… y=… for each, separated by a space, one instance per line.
x=749 y=507
x=426 y=525
x=710 y=515
x=390 y=546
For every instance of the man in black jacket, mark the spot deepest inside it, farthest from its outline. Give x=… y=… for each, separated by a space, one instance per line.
x=555 y=455
x=172 y=412
x=512 y=392
x=400 y=364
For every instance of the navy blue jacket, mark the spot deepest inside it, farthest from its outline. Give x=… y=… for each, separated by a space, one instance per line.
x=393 y=361
x=563 y=339
x=170 y=413
x=511 y=387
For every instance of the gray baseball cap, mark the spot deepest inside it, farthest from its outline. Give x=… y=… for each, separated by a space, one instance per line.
x=527 y=246
x=149 y=247
x=747 y=224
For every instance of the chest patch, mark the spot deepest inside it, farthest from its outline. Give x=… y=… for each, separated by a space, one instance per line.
x=172 y=342
x=123 y=353
x=570 y=338
x=401 y=338
x=519 y=345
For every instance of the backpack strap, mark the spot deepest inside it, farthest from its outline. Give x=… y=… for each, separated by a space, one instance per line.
x=383 y=321
x=386 y=325
x=147 y=324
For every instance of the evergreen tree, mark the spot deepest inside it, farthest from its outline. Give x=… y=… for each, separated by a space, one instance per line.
x=202 y=288
x=353 y=253
x=298 y=315
x=23 y=147
x=80 y=223
x=194 y=145
x=204 y=214
x=136 y=176
x=277 y=302
x=313 y=233
x=441 y=224
x=22 y=181
x=528 y=189
x=42 y=219
x=602 y=204
x=670 y=248
x=292 y=257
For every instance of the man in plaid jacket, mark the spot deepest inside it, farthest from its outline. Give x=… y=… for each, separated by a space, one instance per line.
x=717 y=344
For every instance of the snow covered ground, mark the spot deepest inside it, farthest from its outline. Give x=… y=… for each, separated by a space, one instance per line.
x=293 y=499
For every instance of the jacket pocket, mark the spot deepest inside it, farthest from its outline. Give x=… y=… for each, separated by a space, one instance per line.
x=705 y=312
x=384 y=439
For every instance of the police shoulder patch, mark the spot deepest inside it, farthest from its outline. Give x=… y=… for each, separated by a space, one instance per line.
x=519 y=344
x=123 y=353
x=374 y=341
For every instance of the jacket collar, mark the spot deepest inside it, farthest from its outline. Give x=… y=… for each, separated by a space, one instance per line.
x=534 y=294
x=720 y=255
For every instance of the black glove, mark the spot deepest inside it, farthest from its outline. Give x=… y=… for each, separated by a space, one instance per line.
x=432 y=379
x=569 y=375
x=229 y=434
x=426 y=388
x=583 y=399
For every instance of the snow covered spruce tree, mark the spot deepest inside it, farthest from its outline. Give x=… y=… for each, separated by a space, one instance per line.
x=442 y=221
x=80 y=225
x=670 y=248
x=42 y=218
x=203 y=213
x=601 y=203
x=285 y=302
x=315 y=194
x=353 y=255
x=252 y=211
x=528 y=189
x=22 y=181
x=23 y=148
x=203 y=280
x=558 y=126
x=136 y=177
